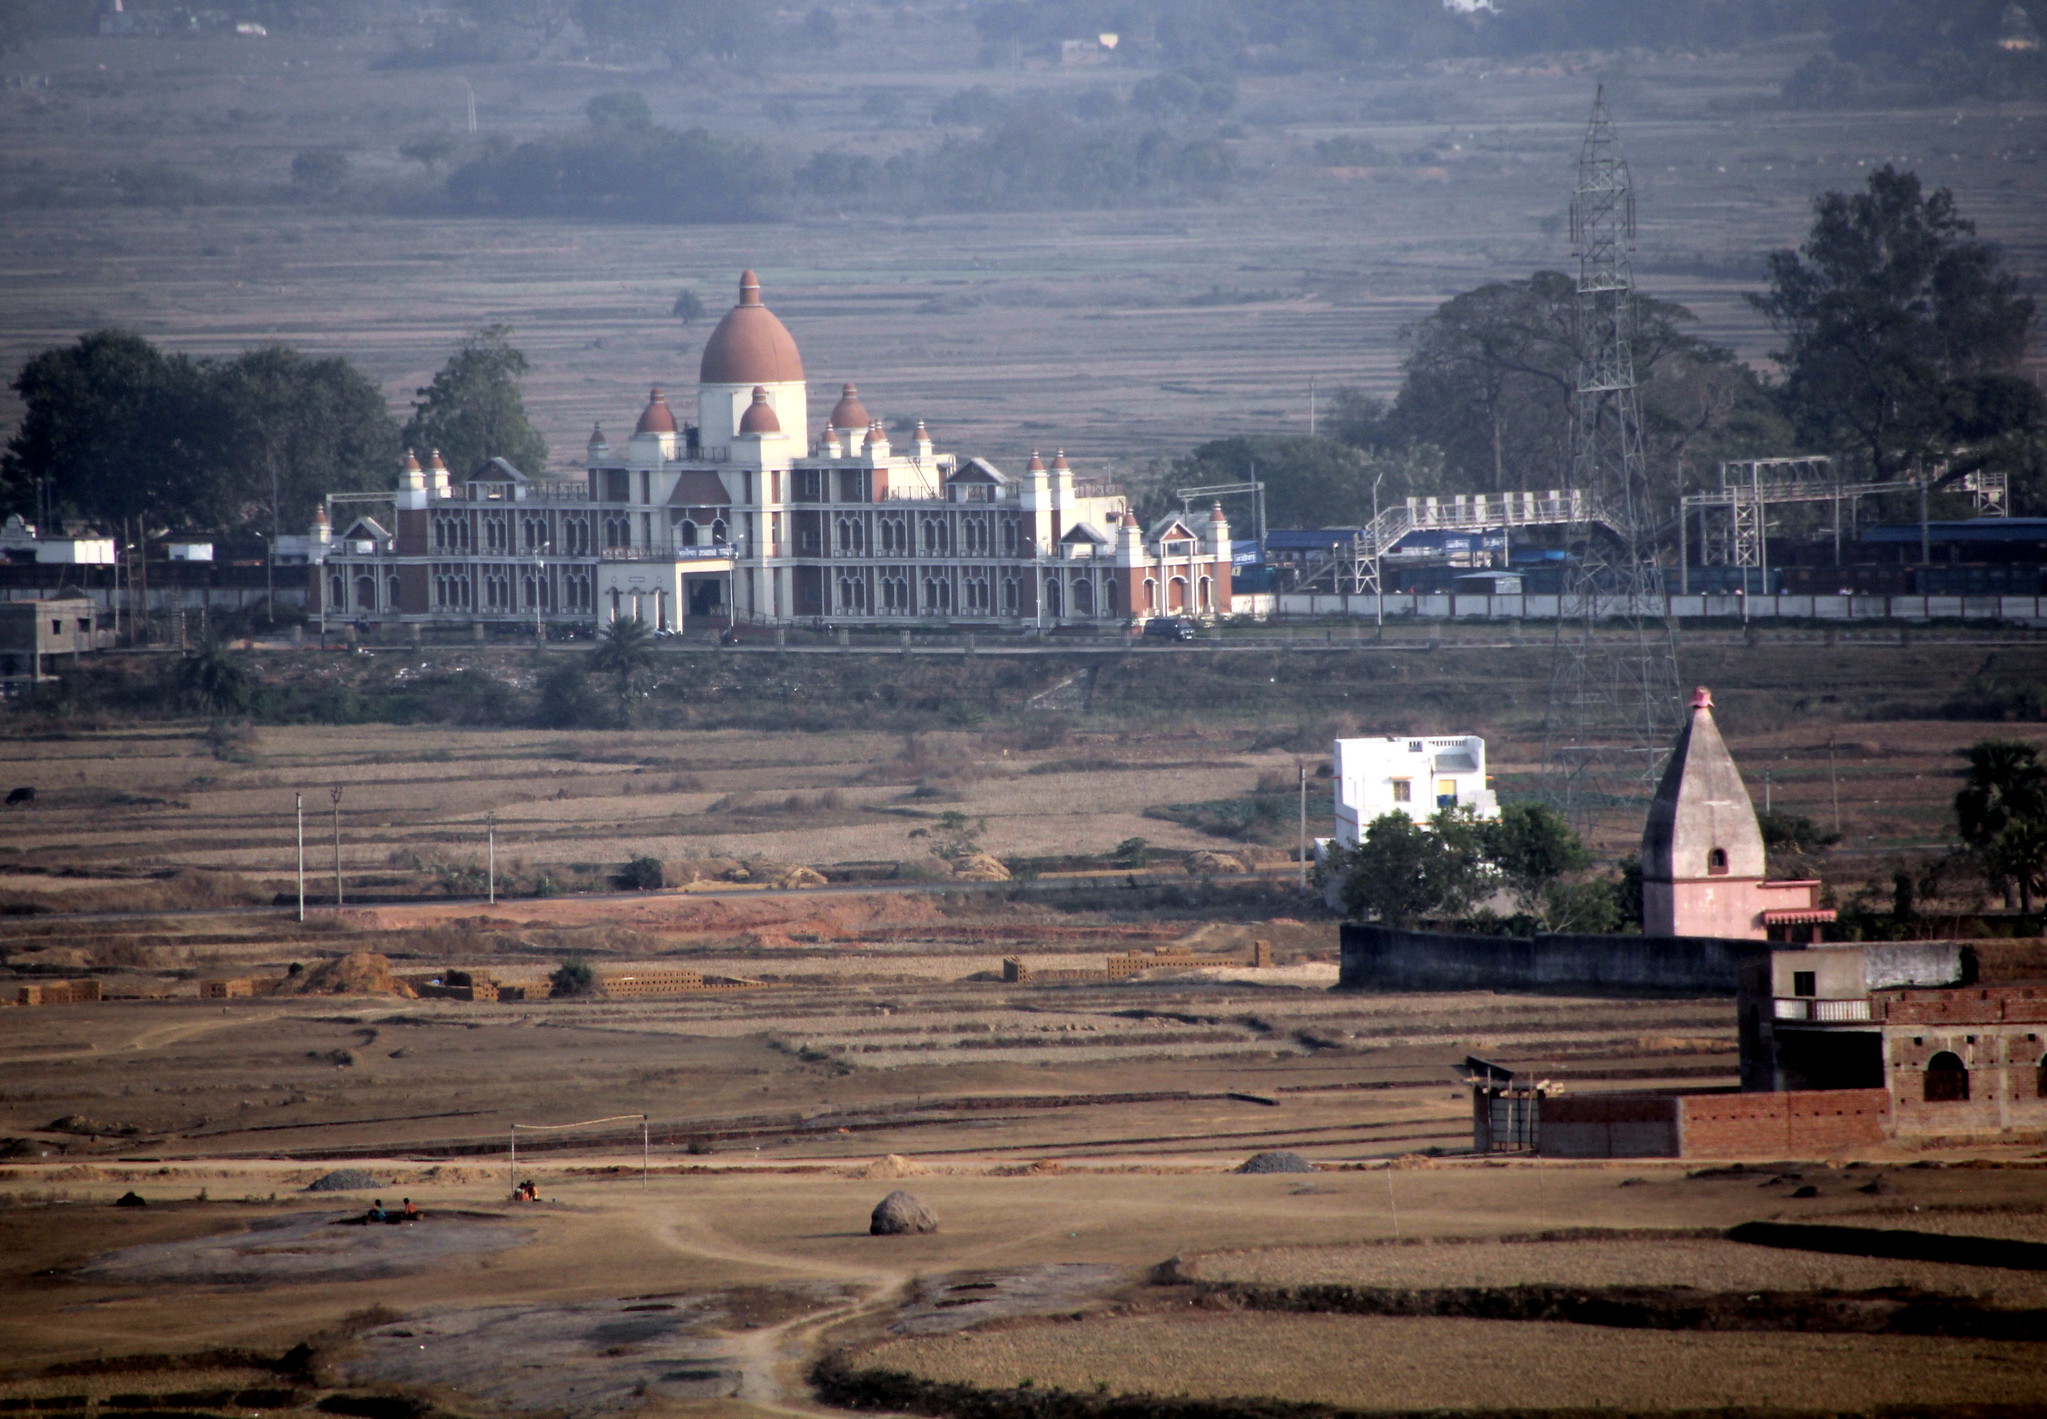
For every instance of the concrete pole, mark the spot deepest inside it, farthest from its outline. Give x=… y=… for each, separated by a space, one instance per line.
x=335 y=794
x=299 y=809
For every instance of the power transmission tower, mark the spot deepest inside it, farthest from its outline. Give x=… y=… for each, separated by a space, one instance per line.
x=1613 y=706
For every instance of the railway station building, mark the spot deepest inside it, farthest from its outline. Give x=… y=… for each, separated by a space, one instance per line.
x=749 y=508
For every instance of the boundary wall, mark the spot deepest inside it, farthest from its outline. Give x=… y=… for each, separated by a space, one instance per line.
x=1383 y=958
x=1446 y=606
x=1788 y=1125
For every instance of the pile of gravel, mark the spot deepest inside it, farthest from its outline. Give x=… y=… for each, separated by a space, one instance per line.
x=1277 y=1162
x=344 y=1180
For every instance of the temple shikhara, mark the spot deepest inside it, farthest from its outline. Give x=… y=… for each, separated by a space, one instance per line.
x=751 y=511
x=1703 y=865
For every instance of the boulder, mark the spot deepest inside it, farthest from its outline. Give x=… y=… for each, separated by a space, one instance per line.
x=130 y=1199
x=1212 y=864
x=900 y=1214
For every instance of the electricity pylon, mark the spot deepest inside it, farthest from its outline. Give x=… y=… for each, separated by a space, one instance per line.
x=1613 y=705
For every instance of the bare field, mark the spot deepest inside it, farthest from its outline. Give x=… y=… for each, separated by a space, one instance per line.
x=1402 y=1365
x=1702 y=1264
x=1120 y=335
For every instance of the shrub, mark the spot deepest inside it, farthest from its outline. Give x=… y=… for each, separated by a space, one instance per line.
x=642 y=874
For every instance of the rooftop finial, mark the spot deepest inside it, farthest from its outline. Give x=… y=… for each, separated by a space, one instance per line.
x=1702 y=698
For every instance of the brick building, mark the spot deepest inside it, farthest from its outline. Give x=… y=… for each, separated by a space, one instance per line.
x=744 y=512
x=1843 y=1047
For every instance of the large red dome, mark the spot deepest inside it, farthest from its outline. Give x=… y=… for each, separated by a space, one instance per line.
x=750 y=346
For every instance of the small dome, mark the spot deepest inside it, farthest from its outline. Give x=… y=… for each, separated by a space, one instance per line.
x=874 y=433
x=849 y=412
x=411 y=464
x=759 y=417
x=923 y=434
x=1036 y=465
x=597 y=433
x=657 y=417
x=1215 y=511
x=434 y=464
x=1059 y=463
x=1129 y=519
x=750 y=346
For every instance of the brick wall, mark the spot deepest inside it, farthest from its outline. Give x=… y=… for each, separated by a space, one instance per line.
x=1805 y=1124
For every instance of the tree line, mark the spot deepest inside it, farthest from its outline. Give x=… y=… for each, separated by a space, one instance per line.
x=118 y=433
x=1904 y=346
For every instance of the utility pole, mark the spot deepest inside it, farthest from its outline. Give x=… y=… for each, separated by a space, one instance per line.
x=1302 y=770
x=299 y=808
x=491 y=821
x=334 y=793
x=270 y=549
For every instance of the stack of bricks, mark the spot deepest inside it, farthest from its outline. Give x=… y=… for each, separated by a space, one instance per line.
x=58 y=992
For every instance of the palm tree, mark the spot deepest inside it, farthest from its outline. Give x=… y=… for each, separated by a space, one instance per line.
x=625 y=652
x=217 y=680
x=2002 y=813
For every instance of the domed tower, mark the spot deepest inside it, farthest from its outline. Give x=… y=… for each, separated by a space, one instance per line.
x=749 y=348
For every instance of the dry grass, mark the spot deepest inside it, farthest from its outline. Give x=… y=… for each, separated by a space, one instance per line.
x=1706 y=1264
x=1405 y=1365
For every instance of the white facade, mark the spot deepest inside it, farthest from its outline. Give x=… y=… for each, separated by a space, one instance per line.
x=1408 y=774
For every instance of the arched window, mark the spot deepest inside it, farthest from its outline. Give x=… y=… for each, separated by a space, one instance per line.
x=391 y=592
x=1207 y=602
x=1083 y=597
x=1052 y=606
x=365 y=593
x=1110 y=605
x=1716 y=862
x=337 y=597
x=718 y=531
x=1947 y=1078
x=1151 y=594
x=686 y=533
x=1176 y=594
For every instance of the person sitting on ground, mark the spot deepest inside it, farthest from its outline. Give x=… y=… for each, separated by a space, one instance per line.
x=409 y=1212
x=376 y=1212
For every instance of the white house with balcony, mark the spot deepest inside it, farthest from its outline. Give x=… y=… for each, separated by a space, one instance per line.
x=1411 y=774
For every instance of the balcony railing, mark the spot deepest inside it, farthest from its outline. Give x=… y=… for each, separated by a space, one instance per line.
x=1823 y=1012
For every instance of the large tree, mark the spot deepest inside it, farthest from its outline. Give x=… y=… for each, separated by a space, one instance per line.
x=116 y=431
x=1490 y=374
x=473 y=410
x=1904 y=334
x=298 y=427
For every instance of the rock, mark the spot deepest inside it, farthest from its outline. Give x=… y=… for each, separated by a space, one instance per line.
x=1277 y=1162
x=900 y=1214
x=130 y=1199
x=1877 y=1187
x=29 y=1148
x=86 y=1125
x=1807 y=1191
x=1212 y=864
x=801 y=877
x=344 y=1180
x=980 y=867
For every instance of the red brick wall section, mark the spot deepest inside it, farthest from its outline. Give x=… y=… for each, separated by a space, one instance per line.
x=1804 y=1124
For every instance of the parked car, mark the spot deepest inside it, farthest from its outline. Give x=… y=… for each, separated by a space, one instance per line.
x=1168 y=628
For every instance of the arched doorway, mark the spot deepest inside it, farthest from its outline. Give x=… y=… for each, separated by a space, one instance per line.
x=1052 y=597
x=365 y=593
x=1947 y=1078
x=1083 y=597
x=1176 y=594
